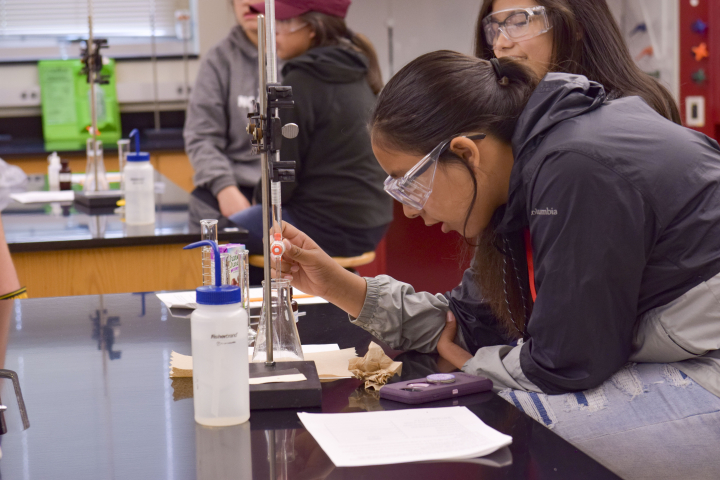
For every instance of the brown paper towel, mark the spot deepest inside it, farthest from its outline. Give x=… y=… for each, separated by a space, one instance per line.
x=375 y=368
x=331 y=365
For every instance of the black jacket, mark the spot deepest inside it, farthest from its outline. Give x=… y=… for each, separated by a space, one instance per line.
x=623 y=208
x=338 y=179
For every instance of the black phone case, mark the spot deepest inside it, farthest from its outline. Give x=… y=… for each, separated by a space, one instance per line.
x=411 y=392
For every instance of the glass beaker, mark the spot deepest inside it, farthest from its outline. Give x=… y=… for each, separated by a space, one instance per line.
x=95 y=161
x=208 y=231
x=286 y=341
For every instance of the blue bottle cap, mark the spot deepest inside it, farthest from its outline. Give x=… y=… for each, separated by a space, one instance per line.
x=216 y=294
x=223 y=295
x=137 y=155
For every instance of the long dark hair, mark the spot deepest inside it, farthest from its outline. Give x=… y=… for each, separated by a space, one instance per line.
x=442 y=94
x=587 y=41
x=330 y=30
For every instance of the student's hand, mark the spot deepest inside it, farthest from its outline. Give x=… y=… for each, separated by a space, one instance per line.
x=447 y=348
x=232 y=201
x=314 y=272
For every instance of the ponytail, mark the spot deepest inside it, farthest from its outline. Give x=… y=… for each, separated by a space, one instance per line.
x=331 y=30
x=374 y=76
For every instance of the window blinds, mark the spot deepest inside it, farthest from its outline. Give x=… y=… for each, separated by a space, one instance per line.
x=69 y=18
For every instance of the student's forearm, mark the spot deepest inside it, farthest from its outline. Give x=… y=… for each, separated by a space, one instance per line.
x=454 y=354
x=348 y=292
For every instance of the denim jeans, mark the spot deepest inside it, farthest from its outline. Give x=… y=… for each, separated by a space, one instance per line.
x=252 y=219
x=648 y=421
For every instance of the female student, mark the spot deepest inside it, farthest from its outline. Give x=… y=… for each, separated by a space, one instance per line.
x=574 y=36
x=592 y=300
x=337 y=196
x=219 y=148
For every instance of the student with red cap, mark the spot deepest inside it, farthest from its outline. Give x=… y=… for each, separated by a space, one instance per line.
x=219 y=148
x=334 y=73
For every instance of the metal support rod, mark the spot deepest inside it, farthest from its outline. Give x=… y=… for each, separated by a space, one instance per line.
x=270 y=44
x=91 y=80
x=153 y=61
x=266 y=211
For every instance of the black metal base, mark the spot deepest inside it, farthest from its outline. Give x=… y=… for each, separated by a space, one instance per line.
x=102 y=199
x=285 y=395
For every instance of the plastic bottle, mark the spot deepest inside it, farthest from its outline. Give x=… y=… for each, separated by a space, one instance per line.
x=53 y=172
x=219 y=327
x=65 y=176
x=139 y=181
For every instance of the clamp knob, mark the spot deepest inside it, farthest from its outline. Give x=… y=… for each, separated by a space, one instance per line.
x=290 y=130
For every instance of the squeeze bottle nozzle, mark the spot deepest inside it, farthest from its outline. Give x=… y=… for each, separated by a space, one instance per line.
x=206 y=243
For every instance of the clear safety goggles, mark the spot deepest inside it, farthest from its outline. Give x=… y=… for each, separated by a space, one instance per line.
x=516 y=24
x=414 y=188
x=286 y=27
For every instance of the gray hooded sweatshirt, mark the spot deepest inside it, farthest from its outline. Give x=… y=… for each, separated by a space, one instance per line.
x=215 y=137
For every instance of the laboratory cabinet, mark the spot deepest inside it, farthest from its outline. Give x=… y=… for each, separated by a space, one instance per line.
x=59 y=249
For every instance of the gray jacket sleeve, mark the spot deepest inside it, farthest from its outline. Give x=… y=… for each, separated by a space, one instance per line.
x=407 y=320
x=206 y=127
x=401 y=317
x=501 y=364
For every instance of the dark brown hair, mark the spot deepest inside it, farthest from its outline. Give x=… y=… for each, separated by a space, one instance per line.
x=330 y=30
x=442 y=94
x=601 y=55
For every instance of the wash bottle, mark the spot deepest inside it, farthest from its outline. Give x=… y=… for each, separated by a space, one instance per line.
x=219 y=330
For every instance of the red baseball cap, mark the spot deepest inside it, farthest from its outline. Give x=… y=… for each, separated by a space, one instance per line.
x=287 y=9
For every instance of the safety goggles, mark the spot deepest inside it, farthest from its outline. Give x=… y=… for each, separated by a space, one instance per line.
x=286 y=27
x=414 y=188
x=516 y=24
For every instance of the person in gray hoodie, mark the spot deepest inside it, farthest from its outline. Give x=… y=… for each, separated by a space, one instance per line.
x=219 y=148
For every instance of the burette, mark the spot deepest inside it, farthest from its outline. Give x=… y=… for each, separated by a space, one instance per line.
x=267 y=132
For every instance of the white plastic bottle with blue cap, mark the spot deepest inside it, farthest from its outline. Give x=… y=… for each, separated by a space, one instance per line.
x=139 y=182
x=219 y=329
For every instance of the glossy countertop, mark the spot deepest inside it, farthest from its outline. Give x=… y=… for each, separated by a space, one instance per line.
x=63 y=225
x=94 y=376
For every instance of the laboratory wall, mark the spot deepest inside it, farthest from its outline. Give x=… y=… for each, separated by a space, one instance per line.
x=417 y=27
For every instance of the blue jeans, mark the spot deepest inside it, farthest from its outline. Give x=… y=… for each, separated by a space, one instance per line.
x=251 y=219
x=648 y=421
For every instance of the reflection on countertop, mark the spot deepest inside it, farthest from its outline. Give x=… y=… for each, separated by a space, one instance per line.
x=99 y=415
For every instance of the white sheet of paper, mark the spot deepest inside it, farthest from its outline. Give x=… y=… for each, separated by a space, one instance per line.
x=321 y=347
x=178 y=299
x=187 y=299
x=331 y=362
x=297 y=377
x=401 y=436
x=256 y=293
x=44 y=197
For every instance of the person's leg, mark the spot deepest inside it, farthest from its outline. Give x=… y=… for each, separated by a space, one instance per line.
x=204 y=205
x=251 y=219
x=339 y=241
x=648 y=421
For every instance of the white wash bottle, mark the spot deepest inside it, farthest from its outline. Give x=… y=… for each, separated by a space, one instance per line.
x=219 y=329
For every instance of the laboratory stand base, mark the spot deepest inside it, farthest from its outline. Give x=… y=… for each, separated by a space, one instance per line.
x=272 y=396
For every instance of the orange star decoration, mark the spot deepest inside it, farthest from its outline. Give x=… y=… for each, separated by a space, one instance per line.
x=701 y=51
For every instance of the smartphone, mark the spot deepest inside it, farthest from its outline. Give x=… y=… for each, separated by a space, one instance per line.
x=425 y=390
